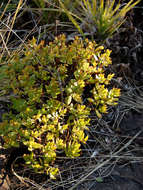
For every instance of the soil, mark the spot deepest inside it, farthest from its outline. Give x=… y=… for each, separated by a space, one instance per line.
x=127 y=177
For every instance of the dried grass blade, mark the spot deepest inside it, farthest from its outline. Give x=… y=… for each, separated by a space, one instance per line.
x=71 y=18
x=14 y=18
x=5 y=9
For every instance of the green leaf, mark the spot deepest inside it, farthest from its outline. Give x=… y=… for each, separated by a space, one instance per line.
x=68 y=100
x=77 y=97
x=98 y=113
x=53 y=172
x=19 y=104
x=99 y=179
x=32 y=145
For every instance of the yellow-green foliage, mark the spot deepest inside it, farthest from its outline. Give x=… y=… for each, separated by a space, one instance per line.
x=56 y=87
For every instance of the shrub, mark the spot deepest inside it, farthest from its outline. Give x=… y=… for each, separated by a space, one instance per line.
x=55 y=87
